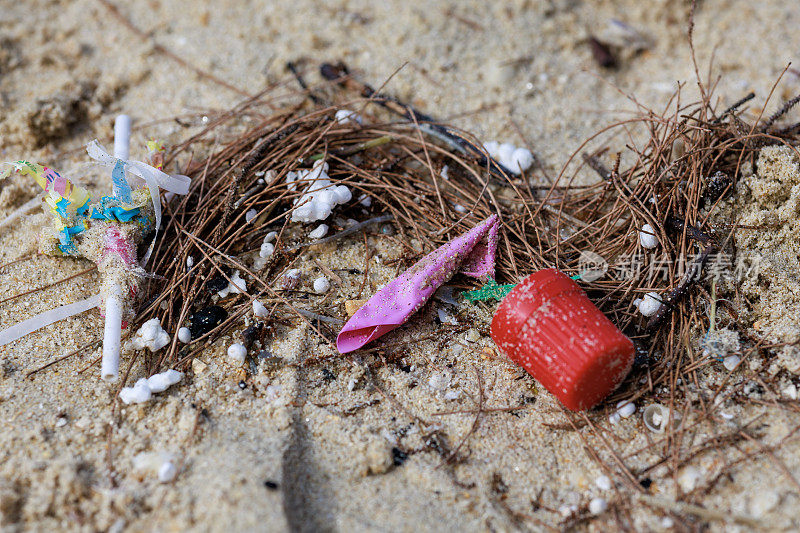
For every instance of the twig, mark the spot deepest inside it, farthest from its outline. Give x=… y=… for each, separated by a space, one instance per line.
x=344 y=233
x=691 y=277
x=87 y=346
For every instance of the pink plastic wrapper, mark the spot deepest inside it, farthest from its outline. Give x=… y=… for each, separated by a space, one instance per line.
x=472 y=253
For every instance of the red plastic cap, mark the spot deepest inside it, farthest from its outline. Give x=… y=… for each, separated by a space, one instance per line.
x=549 y=326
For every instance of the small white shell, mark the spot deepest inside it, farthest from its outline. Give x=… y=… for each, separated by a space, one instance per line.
x=648 y=237
x=650 y=304
x=656 y=417
x=321 y=285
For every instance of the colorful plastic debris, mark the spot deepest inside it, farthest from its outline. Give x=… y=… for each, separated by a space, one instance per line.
x=549 y=326
x=472 y=253
x=490 y=291
x=106 y=231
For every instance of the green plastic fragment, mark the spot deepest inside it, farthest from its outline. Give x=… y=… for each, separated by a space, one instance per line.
x=490 y=291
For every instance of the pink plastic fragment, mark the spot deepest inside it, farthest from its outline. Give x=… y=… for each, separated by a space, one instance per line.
x=472 y=253
x=118 y=246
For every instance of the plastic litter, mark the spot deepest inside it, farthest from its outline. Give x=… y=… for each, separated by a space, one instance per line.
x=144 y=388
x=514 y=159
x=319 y=197
x=106 y=231
x=185 y=335
x=649 y=305
x=472 y=253
x=549 y=326
x=345 y=116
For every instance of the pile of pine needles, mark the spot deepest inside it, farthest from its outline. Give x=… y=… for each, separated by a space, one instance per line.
x=434 y=182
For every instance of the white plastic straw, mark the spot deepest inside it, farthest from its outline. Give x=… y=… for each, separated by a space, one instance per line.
x=122 y=137
x=48 y=317
x=112 y=334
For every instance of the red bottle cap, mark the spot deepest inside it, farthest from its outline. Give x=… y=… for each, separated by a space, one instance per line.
x=549 y=326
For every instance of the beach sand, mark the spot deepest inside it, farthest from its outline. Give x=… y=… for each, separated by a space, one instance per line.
x=333 y=448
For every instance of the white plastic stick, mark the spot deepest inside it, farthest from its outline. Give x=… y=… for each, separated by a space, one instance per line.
x=122 y=137
x=44 y=319
x=112 y=332
x=112 y=335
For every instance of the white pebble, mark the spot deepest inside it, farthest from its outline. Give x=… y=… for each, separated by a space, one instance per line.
x=185 y=335
x=667 y=522
x=443 y=173
x=731 y=362
x=365 y=200
x=459 y=208
x=613 y=418
x=603 y=482
x=446 y=318
x=320 y=232
x=139 y=393
x=521 y=159
x=514 y=159
x=269 y=237
x=689 y=478
x=237 y=353
x=259 y=309
x=650 y=304
x=452 y=394
x=321 y=285
x=151 y=336
x=161 y=382
x=790 y=391
x=320 y=195
x=504 y=153
x=167 y=472
x=266 y=250
x=345 y=116
x=235 y=286
x=598 y=506
x=189 y=262
x=250 y=215
x=647 y=237
x=626 y=409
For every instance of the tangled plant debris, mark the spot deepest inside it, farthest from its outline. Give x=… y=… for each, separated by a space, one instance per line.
x=666 y=208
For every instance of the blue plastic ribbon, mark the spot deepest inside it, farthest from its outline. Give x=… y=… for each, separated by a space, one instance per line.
x=121 y=188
